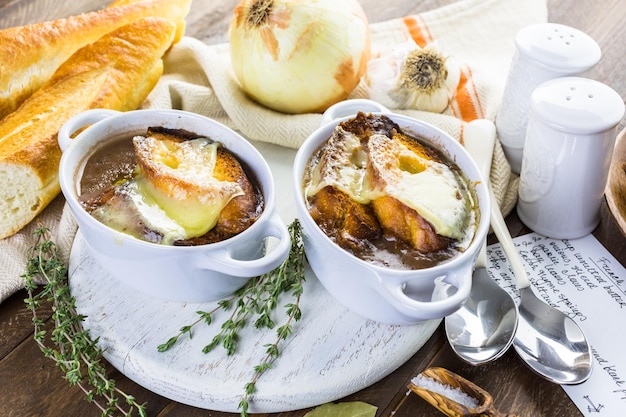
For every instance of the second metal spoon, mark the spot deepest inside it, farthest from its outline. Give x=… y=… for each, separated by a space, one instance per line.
x=547 y=340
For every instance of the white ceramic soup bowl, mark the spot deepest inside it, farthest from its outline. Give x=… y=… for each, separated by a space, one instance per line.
x=376 y=292
x=176 y=273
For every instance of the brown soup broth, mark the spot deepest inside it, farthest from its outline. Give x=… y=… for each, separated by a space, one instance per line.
x=109 y=164
x=392 y=253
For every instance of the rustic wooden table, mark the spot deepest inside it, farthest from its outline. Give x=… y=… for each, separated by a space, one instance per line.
x=32 y=386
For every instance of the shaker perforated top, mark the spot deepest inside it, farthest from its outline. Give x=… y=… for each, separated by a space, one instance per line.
x=577 y=105
x=559 y=48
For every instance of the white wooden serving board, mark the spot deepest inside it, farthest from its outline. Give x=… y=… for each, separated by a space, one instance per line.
x=331 y=354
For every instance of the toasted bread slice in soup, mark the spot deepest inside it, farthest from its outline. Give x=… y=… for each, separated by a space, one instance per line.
x=333 y=209
x=387 y=161
x=30 y=54
x=187 y=190
x=197 y=182
x=241 y=211
x=372 y=180
x=116 y=72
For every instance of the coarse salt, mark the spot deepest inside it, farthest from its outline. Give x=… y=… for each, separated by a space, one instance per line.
x=455 y=394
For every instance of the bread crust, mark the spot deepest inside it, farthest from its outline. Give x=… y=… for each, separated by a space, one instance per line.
x=115 y=72
x=395 y=216
x=30 y=54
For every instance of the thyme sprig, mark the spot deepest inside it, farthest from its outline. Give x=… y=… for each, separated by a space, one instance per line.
x=68 y=344
x=256 y=301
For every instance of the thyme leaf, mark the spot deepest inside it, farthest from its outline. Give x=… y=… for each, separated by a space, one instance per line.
x=78 y=356
x=68 y=344
x=254 y=304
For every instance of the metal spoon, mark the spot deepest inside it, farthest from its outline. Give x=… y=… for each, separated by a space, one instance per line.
x=483 y=328
x=549 y=341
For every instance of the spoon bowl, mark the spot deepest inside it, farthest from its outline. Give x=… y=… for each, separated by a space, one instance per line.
x=482 y=329
x=551 y=345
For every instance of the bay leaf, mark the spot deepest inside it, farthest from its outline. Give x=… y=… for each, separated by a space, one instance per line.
x=345 y=409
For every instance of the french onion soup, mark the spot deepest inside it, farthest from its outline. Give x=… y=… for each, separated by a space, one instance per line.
x=170 y=187
x=388 y=197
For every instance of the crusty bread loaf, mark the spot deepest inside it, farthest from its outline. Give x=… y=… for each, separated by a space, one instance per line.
x=30 y=54
x=117 y=72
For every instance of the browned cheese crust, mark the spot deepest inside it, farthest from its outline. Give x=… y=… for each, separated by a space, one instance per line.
x=332 y=209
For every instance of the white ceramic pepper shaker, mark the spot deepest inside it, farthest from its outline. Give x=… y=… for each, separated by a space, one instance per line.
x=570 y=138
x=543 y=51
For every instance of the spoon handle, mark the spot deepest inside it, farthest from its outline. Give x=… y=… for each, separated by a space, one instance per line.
x=478 y=138
x=504 y=236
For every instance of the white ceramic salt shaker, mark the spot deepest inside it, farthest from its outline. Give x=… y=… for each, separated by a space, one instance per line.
x=543 y=51
x=570 y=138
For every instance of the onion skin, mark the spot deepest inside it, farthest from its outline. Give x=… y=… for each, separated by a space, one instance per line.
x=306 y=56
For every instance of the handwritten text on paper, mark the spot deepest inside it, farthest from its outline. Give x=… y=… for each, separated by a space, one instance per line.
x=583 y=280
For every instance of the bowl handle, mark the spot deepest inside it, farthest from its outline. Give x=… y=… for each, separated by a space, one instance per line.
x=80 y=121
x=223 y=261
x=433 y=300
x=351 y=107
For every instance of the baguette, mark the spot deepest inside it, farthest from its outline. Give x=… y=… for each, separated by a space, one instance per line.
x=116 y=72
x=30 y=54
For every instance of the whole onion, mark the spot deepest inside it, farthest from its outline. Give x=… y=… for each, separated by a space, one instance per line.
x=299 y=56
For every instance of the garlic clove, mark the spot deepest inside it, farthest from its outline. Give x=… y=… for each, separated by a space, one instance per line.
x=383 y=72
x=409 y=77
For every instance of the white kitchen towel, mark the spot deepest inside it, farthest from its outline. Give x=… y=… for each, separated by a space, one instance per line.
x=479 y=34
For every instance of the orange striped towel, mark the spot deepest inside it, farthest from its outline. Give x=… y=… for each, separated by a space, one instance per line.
x=480 y=35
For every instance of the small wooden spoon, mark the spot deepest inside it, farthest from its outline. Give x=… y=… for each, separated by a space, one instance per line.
x=451 y=407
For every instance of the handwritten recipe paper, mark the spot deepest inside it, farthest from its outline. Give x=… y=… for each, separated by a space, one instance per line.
x=583 y=280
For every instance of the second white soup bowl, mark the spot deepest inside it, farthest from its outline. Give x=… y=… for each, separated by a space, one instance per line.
x=375 y=292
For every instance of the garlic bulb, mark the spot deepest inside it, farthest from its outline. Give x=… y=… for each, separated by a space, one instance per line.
x=409 y=77
x=299 y=56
